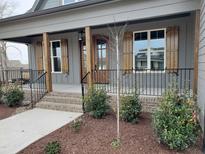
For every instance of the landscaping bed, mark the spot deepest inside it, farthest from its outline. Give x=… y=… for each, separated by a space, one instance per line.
x=6 y=111
x=96 y=136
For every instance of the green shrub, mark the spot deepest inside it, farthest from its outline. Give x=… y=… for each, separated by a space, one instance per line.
x=76 y=125
x=130 y=108
x=175 y=121
x=12 y=95
x=96 y=103
x=115 y=143
x=53 y=148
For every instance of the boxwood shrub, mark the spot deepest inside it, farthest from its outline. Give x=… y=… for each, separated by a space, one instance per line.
x=97 y=103
x=12 y=95
x=130 y=108
x=175 y=121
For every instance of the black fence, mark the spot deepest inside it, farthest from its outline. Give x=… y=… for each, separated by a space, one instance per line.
x=31 y=81
x=143 y=81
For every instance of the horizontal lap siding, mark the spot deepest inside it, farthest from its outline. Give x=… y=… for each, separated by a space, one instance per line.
x=201 y=81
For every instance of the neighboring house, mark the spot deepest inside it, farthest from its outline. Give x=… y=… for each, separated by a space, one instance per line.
x=69 y=38
x=13 y=64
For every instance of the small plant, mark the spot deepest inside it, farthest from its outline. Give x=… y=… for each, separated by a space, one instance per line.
x=130 y=108
x=76 y=125
x=115 y=143
x=53 y=148
x=12 y=95
x=96 y=103
x=175 y=121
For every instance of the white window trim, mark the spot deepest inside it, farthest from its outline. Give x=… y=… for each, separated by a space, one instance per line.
x=52 y=57
x=63 y=2
x=149 y=51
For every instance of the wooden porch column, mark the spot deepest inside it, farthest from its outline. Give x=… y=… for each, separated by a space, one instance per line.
x=47 y=54
x=196 y=50
x=88 y=38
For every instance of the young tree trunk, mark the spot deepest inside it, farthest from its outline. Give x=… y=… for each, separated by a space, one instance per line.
x=118 y=88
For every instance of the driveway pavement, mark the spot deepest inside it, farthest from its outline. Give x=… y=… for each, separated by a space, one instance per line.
x=19 y=131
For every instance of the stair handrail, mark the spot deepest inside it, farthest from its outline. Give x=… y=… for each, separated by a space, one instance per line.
x=83 y=90
x=39 y=85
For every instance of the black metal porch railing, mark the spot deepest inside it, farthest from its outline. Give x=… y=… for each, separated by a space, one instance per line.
x=38 y=88
x=32 y=81
x=143 y=81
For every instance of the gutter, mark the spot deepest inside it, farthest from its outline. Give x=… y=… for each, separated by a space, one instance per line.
x=54 y=10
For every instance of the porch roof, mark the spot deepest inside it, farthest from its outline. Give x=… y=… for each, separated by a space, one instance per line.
x=64 y=19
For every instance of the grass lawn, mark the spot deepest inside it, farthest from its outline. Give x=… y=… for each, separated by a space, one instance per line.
x=95 y=137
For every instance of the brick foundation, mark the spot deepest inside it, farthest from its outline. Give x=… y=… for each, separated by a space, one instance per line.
x=149 y=103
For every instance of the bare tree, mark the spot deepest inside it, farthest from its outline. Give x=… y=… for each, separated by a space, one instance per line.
x=116 y=37
x=6 y=10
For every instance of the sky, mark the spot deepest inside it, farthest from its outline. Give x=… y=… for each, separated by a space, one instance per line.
x=17 y=51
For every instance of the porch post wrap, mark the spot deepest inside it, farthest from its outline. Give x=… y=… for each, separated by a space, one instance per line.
x=47 y=54
x=88 y=38
x=196 y=50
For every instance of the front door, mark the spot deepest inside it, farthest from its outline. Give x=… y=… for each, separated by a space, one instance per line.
x=100 y=60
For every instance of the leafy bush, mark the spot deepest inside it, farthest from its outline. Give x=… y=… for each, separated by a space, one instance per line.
x=53 y=148
x=130 y=108
x=115 y=143
x=96 y=103
x=76 y=125
x=12 y=95
x=175 y=121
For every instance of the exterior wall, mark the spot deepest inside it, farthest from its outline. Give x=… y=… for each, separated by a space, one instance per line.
x=50 y=4
x=115 y=11
x=156 y=81
x=201 y=76
x=74 y=59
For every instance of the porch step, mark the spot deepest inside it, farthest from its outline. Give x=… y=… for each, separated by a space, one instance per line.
x=60 y=94
x=60 y=106
x=63 y=99
x=71 y=102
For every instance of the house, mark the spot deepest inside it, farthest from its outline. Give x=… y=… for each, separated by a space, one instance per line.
x=70 y=40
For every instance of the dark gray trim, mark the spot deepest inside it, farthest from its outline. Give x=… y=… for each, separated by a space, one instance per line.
x=55 y=10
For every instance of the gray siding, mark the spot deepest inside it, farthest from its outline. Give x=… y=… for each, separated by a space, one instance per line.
x=201 y=78
x=117 y=11
x=74 y=59
x=186 y=37
x=50 y=4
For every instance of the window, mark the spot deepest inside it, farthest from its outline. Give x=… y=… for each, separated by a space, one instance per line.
x=149 y=49
x=56 y=56
x=70 y=1
x=101 y=54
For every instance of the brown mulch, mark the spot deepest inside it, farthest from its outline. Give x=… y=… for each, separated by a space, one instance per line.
x=95 y=137
x=6 y=112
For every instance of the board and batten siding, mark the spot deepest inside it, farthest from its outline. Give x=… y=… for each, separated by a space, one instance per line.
x=117 y=11
x=201 y=75
x=73 y=77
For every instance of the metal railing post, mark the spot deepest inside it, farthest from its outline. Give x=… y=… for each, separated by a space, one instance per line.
x=31 y=87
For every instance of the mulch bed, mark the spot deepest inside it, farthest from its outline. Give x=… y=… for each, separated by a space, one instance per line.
x=95 y=137
x=6 y=112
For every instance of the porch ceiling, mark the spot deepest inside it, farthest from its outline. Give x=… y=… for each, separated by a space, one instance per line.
x=118 y=11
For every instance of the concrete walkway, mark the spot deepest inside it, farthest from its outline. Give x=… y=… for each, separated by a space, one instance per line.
x=19 y=131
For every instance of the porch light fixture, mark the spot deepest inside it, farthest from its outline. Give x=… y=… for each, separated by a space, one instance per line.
x=81 y=35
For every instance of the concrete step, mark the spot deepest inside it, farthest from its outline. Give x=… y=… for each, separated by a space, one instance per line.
x=60 y=106
x=63 y=99
x=76 y=95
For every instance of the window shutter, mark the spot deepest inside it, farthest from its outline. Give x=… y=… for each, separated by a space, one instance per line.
x=65 y=56
x=128 y=50
x=172 y=47
x=39 y=56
